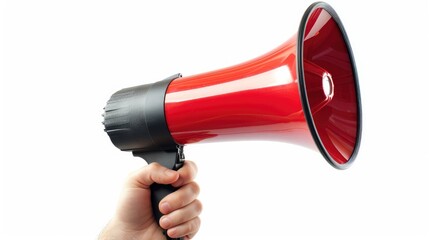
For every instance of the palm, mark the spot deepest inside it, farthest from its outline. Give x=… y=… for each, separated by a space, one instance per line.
x=135 y=212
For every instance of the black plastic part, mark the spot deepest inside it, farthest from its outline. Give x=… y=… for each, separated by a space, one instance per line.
x=169 y=159
x=134 y=118
x=165 y=158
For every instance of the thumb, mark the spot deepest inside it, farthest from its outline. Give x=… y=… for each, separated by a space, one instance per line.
x=152 y=173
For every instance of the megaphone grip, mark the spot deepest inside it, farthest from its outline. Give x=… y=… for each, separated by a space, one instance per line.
x=160 y=191
x=172 y=159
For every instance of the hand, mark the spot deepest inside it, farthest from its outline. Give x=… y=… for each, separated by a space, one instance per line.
x=134 y=218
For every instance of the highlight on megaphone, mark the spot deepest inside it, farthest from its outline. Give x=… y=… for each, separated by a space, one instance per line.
x=303 y=92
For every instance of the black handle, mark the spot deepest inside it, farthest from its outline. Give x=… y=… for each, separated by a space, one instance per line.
x=172 y=159
x=160 y=191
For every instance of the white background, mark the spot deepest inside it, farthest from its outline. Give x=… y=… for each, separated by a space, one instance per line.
x=61 y=61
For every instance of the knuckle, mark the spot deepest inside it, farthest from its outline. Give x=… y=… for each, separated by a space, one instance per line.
x=195 y=224
x=198 y=206
x=189 y=171
x=191 y=227
x=194 y=188
x=193 y=167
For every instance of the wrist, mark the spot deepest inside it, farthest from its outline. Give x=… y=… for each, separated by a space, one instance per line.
x=115 y=231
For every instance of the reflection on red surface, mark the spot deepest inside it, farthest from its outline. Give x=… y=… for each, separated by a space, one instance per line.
x=336 y=123
x=260 y=99
x=256 y=100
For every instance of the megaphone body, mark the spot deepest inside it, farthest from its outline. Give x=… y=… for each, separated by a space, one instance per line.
x=303 y=92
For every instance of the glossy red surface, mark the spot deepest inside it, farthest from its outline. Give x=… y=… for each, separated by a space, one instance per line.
x=261 y=99
x=258 y=99
x=337 y=121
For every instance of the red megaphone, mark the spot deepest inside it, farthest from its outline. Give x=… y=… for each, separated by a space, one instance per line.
x=305 y=92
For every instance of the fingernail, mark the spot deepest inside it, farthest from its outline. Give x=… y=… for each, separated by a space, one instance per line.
x=172 y=232
x=165 y=222
x=165 y=207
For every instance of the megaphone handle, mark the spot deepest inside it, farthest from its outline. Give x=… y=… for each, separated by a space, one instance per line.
x=160 y=191
x=170 y=159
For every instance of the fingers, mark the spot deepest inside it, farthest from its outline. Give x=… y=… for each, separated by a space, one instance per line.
x=181 y=208
x=183 y=222
x=155 y=173
x=152 y=173
x=180 y=198
x=186 y=174
x=187 y=229
x=182 y=215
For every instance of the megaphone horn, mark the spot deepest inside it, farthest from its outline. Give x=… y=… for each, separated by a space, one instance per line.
x=304 y=92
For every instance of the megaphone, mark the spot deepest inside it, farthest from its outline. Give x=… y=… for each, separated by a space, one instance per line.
x=304 y=92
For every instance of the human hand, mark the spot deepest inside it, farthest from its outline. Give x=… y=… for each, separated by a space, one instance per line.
x=134 y=217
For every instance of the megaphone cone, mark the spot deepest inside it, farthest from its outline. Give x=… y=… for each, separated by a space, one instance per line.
x=303 y=92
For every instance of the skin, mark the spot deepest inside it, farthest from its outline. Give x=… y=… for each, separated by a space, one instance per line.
x=134 y=219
